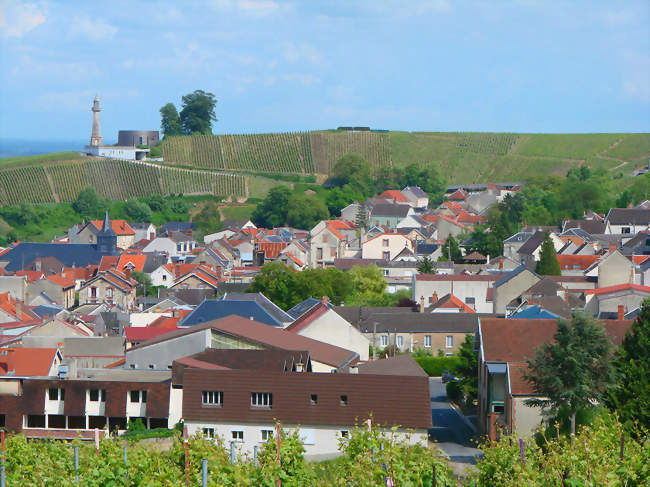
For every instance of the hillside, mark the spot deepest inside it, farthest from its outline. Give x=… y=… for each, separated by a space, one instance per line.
x=463 y=157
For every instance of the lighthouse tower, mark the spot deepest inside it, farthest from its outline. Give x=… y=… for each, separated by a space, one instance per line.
x=96 y=137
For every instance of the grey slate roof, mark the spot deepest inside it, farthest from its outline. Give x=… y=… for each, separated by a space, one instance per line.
x=268 y=305
x=589 y=226
x=210 y=310
x=633 y=216
x=70 y=255
x=518 y=237
x=390 y=210
x=416 y=191
x=511 y=274
x=531 y=244
x=177 y=227
x=301 y=308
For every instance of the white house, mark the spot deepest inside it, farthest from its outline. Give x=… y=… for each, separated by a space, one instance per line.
x=385 y=246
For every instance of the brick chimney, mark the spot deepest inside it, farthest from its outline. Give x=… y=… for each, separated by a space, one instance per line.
x=127 y=272
x=326 y=300
x=421 y=304
x=434 y=298
x=621 y=312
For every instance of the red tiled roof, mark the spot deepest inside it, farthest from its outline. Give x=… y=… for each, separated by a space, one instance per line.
x=108 y=262
x=393 y=194
x=143 y=333
x=8 y=305
x=449 y=301
x=272 y=249
x=451 y=220
x=137 y=260
x=63 y=281
x=515 y=340
x=26 y=361
x=120 y=227
x=640 y=259
x=619 y=287
x=430 y=218
x=30 y=275
x=304 y=321
x=295 y=259
x=458 y=195
x=465 y=217
x=580 y=262
x=519 y=385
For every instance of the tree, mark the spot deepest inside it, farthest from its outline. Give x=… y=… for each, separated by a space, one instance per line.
x=137 y=211
x=305 y=211
x=368 y=283
x=89 y=204
x=630 y=397
x=451 y=248
x=278 y=283
x=170 y=121
x=548 y=264
x=426 y=265
x=197 y=113
x=574 y=370
x=361 y=218
x=144 y=286
x=352 y=170
x=272 y=211
x=207 y=220
x=467 y=369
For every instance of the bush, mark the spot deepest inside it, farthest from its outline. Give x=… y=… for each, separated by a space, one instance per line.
x=152 y=433
x=435 y=365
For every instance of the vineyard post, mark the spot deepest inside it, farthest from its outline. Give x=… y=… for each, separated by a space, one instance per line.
x=187 y=456
x=76 y=463
x=620 y=457
x=204 y=472
x=2 y=468
x=278 y=440
x=521 y=451
x=255 y=456
x=232 y=452
x=97 y=441
x=126 y=463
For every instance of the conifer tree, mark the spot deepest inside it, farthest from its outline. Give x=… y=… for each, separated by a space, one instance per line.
x=548 y=264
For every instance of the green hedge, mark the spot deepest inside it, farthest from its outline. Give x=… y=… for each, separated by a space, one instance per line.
x=152 y=433
x=435 y=365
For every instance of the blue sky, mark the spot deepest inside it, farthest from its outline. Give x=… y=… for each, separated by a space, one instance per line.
x=274 y=65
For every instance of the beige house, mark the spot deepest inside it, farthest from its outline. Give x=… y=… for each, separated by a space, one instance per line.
x=612 y=269
x=615 y=301
x=125 y=234
x=58 y=287
x=110 y=287
x=447 y=226
x=322 y=323
x=511 y=286
x=474 y=290
x=385 y=246
x=327 y=244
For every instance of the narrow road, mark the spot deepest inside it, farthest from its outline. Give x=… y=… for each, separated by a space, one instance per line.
x=451 y=434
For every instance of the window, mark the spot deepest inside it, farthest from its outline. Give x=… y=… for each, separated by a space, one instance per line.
x=625 y=230
x=344 y=400
x=138 y=396
x=449 y=354
x=325 y=238
x=152 y=366
x=384 y=242
x=384 y=340
x=427 y=341
x=109 y=292
x=261 y=399
x=208 y=433
x=314 y=399
x=344 y=434
x=93 y=292
x=213 y=398
x=56 y=394
x=319 y=253
x=385 y=272
x=132 y=366
x=97 y=395
x=400 y=341
x=237 y=435
x=386 y=255
x=266 y=434
x=164 y=277
x=449 y=341
x=471 y=300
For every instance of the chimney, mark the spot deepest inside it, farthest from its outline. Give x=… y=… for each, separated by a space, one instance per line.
x=326 y=300
x=621 y=312
x=127 y=271
x=434 y=298
x=421 y=304
x=612 y=247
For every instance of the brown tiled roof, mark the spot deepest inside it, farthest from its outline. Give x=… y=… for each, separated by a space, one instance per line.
x=391 y=400
x=459 y=277
x=519 y=385
x=304 y=321
x=271 y=360
x=399 y=365
x=269 y=336
x=515 y=340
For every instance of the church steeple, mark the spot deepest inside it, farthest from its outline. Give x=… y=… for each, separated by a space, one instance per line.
x=107 y=238
x=96 y=137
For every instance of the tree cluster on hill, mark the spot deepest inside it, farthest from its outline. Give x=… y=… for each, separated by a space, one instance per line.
x=360 y=286
x=196 y=115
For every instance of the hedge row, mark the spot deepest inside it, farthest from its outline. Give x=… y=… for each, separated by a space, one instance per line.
x=435 y=365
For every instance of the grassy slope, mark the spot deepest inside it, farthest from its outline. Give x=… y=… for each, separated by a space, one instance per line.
x=39 y=159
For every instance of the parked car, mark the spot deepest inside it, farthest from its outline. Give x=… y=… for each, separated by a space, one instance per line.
x=448 y=376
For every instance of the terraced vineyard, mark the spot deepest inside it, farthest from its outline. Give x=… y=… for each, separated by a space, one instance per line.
x=278 y=153
x=464 y=157
x=113 y=179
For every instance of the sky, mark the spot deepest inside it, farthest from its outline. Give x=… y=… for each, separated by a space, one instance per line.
x=275 y=65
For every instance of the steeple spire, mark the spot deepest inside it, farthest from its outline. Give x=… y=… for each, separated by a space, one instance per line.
x=107 y=223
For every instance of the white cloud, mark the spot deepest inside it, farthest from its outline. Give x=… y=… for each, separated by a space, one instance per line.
x=29 y=66
x=91 y=29
x=17 y=18
x=302 y=52
x=302 y=78
x=251 y=7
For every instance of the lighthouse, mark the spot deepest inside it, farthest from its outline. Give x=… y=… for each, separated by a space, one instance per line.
x=96 y=137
